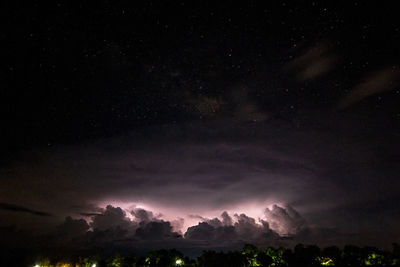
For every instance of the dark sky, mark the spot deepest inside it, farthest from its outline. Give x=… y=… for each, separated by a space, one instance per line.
x=173 y=113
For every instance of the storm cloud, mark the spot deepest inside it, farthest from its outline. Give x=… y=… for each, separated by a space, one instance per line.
x=206 y=168
x=113 y=227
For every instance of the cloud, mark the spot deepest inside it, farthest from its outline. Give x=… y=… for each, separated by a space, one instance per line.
x=142 y=215
x=113 y=217
x=226 y=219
x=244 y=229
x=72 y=228
x=104 y=238
x=315 y=62
x=16 y=208
x=156 y=230
x=228 y=232
x=113 y=224
x=152 y=227
x=178 y=224
x=202 y=231
x=374 y=83
x=89 y=214
x=285 y=221
x=208 y=167
x=247 y=229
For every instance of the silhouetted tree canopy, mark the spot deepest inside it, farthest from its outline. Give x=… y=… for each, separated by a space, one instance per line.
x=250 y=255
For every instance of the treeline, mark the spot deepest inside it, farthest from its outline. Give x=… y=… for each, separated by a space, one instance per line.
x=249 y=256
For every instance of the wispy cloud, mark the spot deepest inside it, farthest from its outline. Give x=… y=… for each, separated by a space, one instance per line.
x=315 y=62
x=374 y=83
x=16 y=208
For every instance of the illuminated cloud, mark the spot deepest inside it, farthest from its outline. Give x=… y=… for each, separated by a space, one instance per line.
x=113 y=217
x=221 y=166
x=285 y=221
x=142 y=215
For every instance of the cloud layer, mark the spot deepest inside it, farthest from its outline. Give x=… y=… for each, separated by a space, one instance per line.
x=202 y=169
x=114 y=226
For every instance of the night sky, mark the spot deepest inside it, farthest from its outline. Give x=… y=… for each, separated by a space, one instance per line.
x=195 y=125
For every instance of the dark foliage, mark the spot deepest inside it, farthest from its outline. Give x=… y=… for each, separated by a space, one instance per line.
x=250 y=255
